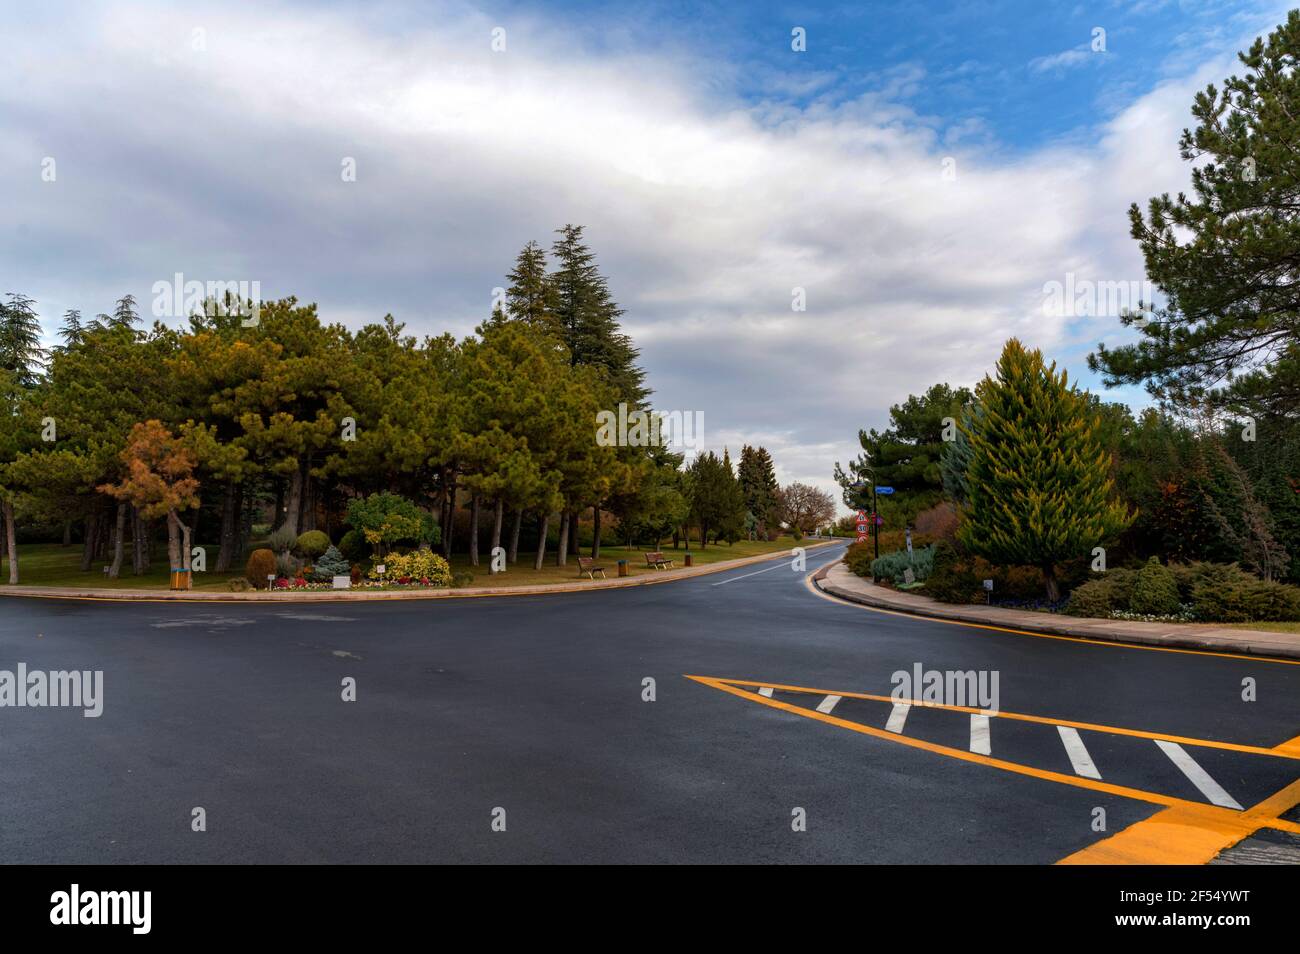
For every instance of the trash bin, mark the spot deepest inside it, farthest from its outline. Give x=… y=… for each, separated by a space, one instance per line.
x=688 y=560
x=180 y=579
x=622 y=568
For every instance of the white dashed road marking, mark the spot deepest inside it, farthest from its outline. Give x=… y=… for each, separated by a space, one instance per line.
x=766 y=691
x=828 y=704
x=898 y=717
x=979 y=734
x=1197 y=775
x=1077 y=752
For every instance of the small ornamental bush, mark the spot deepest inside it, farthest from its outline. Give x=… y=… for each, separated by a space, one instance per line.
x=331 y=564
x=287 y=565
x=416 y=566
x=312 y=544
x=282 y=540
x=894 y=566
x=1155 y=593
x=261 y=564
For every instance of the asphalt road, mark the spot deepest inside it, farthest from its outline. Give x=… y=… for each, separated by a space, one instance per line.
x=535 y=705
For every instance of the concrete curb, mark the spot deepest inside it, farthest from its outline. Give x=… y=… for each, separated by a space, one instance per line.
x=838 y=581
x=348 y=596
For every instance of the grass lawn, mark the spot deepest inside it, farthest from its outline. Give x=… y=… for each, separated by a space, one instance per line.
x=49 y=564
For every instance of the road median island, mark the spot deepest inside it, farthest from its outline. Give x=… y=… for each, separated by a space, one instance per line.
x=839 y=581
x=326 y=596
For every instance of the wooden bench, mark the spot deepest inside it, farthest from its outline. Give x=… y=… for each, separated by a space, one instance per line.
x=588 y=566
x=658 y=561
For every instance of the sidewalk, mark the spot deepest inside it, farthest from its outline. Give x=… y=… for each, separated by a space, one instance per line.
x=838 y=580
x=326 y=596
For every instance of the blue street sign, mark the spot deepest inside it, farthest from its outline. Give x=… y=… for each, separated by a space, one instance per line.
x=884 y=490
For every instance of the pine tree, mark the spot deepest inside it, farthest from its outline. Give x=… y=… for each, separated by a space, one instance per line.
x=587 y=316
x=531 y=296
x=124 y=315
x=1226 y=254
x=21 y=353
x=1039 y=481
x=759 y=487
x=72 y=330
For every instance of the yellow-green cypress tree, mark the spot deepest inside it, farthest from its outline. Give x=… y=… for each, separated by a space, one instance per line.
x=1040 y=490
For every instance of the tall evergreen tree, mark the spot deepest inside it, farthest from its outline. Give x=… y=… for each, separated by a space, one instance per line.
x=587 y=316
x=530 y=298
x=21 y=353
x=759 y=488
x=1039 y=480
x=1228 y=256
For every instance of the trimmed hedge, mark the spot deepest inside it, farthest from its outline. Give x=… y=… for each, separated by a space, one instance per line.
x=1217 y=593
x=312 y=543
x=1155 y=592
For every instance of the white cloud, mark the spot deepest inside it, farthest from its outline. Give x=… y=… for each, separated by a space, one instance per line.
x=705 y=211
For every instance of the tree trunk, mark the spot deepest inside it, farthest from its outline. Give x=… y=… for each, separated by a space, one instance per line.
x=473 y=530
x=11 y=538
x=67 y=533
x=562 y=548
x=137 y=547
x=229 y=527
x=449 y=521
x=543 y=524
x=595 y=532
x=91 y=538
x=308 y=519
x=293 y=505
x=514 y=536
x=119 y=533
x=498 y=514
x=1053 y=588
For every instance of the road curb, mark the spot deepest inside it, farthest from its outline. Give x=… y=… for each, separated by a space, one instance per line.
x=353 y=596
x=1218 y=639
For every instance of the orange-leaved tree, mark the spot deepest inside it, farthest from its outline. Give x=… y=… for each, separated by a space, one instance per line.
x=160 y=482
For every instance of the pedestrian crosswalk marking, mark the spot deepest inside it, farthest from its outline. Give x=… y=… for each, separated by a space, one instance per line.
x=897 y=717
x=1197 y=775
x=1078 y=752
x=979 y=750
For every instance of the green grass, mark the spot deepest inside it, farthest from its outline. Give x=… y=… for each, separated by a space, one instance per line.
x=49 y=564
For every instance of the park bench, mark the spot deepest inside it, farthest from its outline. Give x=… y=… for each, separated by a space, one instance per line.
x=658 y=561
x=588 y=566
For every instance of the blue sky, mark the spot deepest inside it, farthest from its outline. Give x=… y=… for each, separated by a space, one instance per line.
x=923 y=173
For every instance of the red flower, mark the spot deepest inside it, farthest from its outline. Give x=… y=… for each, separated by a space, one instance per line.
x=403 y=580
x=424 y=581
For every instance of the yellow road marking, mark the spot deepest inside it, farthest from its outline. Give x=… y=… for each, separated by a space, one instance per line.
x=1099 y=641
x=1184 y=832
x=1287 y=750
x=1183 y=836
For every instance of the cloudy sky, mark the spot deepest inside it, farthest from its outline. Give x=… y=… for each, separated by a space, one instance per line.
x=921 y=170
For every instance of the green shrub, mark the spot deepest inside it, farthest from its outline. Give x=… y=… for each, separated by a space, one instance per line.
x=416 y=565
x=354 y=547
x=1245 y=600
x=857 y=557
x=312 y=544
x=261 y=563
x=238 y=584
x=331 y=564
x=282 y=540
x=1155 y=592
x=287 y=565
x=894 y=566
x=952 y=578
x=1095 y=598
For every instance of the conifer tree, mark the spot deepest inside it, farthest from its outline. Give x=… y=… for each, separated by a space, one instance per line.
x=1039 y=479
